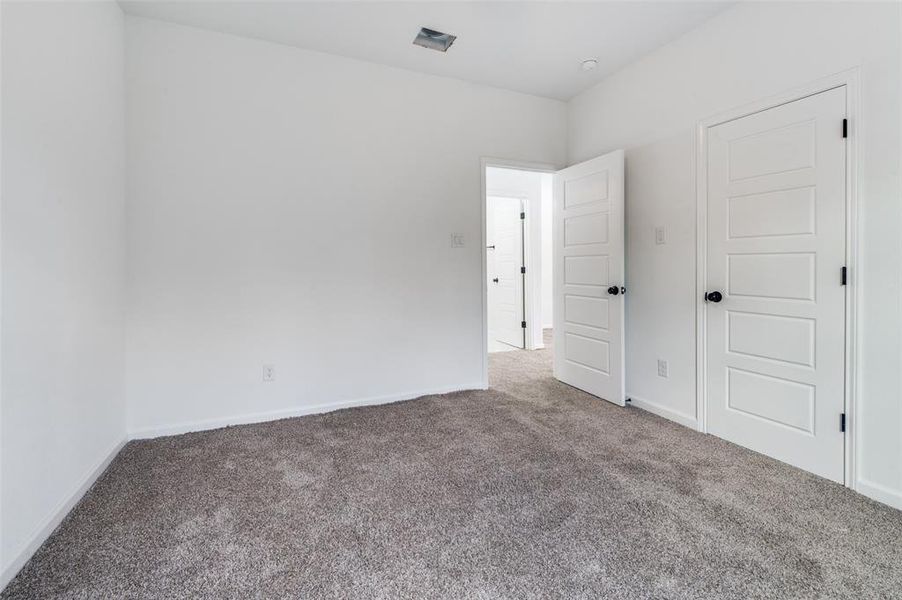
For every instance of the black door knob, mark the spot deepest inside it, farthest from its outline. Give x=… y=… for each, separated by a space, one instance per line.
x=613 y=290
x=713 y=297
x=495 y=280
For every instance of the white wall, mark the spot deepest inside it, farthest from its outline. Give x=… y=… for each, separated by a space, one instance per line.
x=528 y=186
x=63 y=169
x=748 y=53
x=293 y=208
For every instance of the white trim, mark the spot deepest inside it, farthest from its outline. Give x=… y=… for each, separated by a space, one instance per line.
x=56 y=516
x=849 y=79
x=853 y=282
x=662 y=411
x=485 y=162
x=880 y=493
x=144 y=433
x=701 y=269
x=3 y=579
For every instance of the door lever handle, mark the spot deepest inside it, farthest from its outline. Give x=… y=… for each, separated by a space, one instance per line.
x=495 y=280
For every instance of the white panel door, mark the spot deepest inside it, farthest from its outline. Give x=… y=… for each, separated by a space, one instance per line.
x=776 y=250
x=588 y=277
x=506 y=285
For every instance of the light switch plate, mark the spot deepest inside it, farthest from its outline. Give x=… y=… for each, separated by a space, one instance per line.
x=457 y=240
x=660 y=236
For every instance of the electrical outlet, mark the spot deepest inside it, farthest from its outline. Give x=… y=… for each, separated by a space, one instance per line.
x=269 y=373
x=662 y=368
x=660 y=236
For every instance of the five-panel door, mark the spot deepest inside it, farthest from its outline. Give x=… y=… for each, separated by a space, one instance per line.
x=589 y=276
x=775 y=315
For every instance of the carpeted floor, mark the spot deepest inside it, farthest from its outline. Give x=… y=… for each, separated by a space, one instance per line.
x=529 y=490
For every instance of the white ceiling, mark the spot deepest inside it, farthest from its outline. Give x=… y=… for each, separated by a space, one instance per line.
x=530 y=47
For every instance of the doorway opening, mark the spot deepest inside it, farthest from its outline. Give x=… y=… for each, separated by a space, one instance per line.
x=571 y=241
x=518 y=261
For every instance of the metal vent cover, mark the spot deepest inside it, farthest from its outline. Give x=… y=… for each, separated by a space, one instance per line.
x=434 y=40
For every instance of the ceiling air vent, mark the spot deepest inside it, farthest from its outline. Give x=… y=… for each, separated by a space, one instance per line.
x=435 y=40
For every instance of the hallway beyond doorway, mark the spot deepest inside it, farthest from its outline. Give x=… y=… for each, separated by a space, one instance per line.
x=522 y=367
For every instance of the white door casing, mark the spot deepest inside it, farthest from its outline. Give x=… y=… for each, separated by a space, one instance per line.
x=775 y=343
x=588 y=256
x=506 y=304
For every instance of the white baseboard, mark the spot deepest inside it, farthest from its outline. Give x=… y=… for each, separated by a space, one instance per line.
x=662 y=411
x=56 y=516
x=880 y=493
x=144 y=433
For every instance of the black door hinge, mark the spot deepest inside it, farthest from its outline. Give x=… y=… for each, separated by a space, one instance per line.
x=523 y=269
x=523 y=324
x=522 y=215
x=842 y=422
x=845 y=128
x=842 y=276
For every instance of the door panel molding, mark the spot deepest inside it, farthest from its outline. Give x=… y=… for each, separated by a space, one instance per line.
x=850 y=81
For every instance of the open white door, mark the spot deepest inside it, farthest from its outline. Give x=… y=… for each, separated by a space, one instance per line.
x=588 y=277
x=505 y=237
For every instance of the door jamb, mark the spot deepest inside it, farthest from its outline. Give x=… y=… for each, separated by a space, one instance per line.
x=520 y=165
x=849 y=79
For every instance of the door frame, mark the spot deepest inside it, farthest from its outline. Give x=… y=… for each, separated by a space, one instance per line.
x=504 y=163
x=849 y=79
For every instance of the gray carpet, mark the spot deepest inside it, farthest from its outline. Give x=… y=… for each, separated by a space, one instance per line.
x=529 y=490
